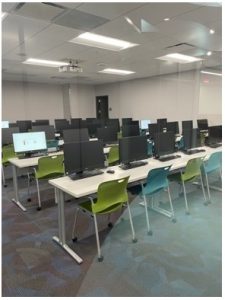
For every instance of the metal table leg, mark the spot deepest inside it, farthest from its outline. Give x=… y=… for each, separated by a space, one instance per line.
x=61 y=240
x=15 y=184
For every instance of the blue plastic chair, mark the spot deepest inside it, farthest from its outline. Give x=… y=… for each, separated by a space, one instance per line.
x=156 y=182
x=214 y=163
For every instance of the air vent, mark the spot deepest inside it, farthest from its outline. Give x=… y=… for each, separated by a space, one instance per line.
x=181 y=47
x=42 y=11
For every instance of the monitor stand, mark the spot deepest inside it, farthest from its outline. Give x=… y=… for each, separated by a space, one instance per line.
x=133 y=164
x=168 y=157
x=85 y=174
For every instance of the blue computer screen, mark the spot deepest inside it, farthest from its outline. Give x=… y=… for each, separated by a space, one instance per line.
x=29 y=141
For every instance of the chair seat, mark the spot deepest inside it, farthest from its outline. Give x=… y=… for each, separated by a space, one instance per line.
x=177 y=177
x=88 y=206
x=43 y=175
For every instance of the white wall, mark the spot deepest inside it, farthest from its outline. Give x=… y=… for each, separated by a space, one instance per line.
x=31 y=101
x=176 y=96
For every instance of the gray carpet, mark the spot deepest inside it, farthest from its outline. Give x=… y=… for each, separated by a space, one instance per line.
x=181 y=259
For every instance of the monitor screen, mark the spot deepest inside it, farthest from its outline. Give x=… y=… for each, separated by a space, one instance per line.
x=107 y=135
x=48 y=129
x=133 y=149
x=75 y=135
x=202 y=124
x=41 y=122
x=187 y=125
x=7 y=135
x=61 y=124
x=144 y=124
x=215 y=134
x=130 y=130
x=153 y=129
x=173 y=127
x=126 y=121
x=82 y=156
x=164 y=143
x=5 y=124
x=24 y=126
x=191 y=138
x=75 y=123
x=113 y=123
x=29 y=142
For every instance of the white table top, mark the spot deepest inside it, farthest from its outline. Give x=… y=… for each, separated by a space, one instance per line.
x=87 y=186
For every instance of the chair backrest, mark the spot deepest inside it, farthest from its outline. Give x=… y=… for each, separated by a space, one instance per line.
x=192 y=169
x=111 y=195
x=214 y=162
x=50 y=165
x=113 y=154
x=7 y=153
x=156 y=180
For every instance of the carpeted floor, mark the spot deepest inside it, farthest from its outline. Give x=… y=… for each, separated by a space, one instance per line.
x=181 y=259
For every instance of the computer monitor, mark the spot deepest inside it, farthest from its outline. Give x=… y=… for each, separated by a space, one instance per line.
x=107 y=135
x=24 y=126
x=164 y=143
x=75 y=123
x=192 y=138
x=5 y=124
x=162 y=123
x=202 y=124
x=173 y=127
x=130 y=130
x=12 y=125
x=126 y=121
x=41 y=122
x=48 y=129
x=92 y=127
x=113 y=123
x=153 y=129
x=144 y=124
x=75 y=135
x=133 y=149
x=61 y=124
x=215 y=134
x=7 y=135
x=187 y=125
x=83 y=156
x=29 y=142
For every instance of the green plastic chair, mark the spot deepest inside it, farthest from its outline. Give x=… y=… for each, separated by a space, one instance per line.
x=7 y=153
x=156 y=182
x=49 y=167
x=191 y=172
x=113 y=156
x=213 y=163
x=111 y=196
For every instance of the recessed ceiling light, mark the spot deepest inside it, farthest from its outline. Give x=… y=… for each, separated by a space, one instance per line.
x=101 y=41
x=211 y=73
x=166 y=19
x=209 y=53
x=211 y=31
x=45 y=63
x=179 y=58
x=116 y=72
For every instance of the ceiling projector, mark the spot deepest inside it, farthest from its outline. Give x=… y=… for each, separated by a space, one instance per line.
x=72 y=67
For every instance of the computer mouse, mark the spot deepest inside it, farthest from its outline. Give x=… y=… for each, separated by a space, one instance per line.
x=110 y=171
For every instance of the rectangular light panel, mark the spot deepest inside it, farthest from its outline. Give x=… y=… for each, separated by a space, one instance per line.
x=45 y=63
x=101 y=41
x=179 y=58
x=116 y=72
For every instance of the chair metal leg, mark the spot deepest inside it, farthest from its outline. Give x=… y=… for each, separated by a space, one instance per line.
x=56 y=199
x=147 y=218
x=74 y=237
x=39 y=198
x=3 y=177
x=110 y=224
x=207 y=185
x=203 y=190
x=134 y=239
x=28 y=187
x=100 y=257
x=171 y=205
x=185 y=199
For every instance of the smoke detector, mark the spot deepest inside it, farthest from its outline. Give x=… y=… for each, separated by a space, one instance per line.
x=72 y=67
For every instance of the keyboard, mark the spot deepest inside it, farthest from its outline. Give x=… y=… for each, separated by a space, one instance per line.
x=132 y=165
x=214 y=145
x=193 y=151
x=85 y=174
x=170 y=157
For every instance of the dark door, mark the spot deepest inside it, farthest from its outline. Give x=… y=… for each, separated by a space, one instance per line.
x=102 y=109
